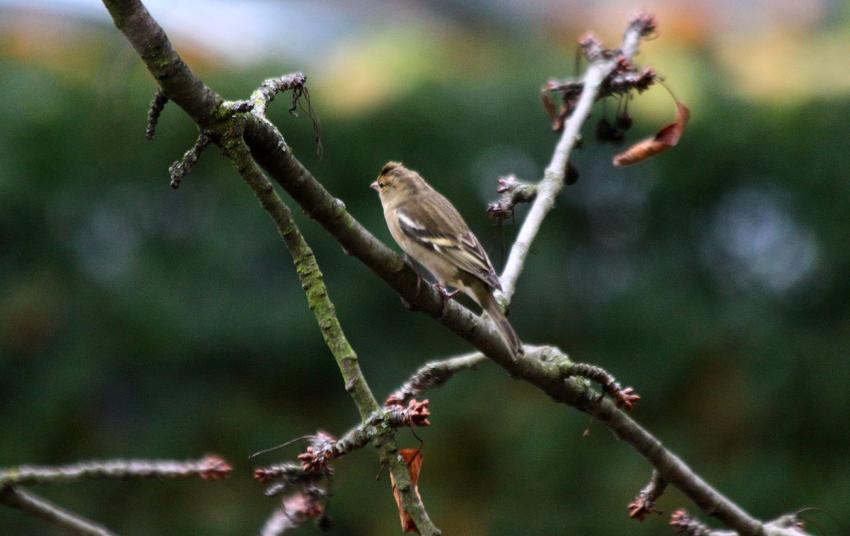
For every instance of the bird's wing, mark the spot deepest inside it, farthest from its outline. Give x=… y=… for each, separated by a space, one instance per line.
x=435 y=224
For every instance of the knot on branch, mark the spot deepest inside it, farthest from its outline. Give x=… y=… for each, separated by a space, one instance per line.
x=683 y=523
x=626 y=77
x=641 y=507
x=514 y=191
x=321 y=450
x=315 y=459
x=285 y=477
x=626 y=398
x=622 y=81
x=182 y=167
x=644 y=23
x=415 y=414
x=644 y=503
x=297 y=83
x=214 y=467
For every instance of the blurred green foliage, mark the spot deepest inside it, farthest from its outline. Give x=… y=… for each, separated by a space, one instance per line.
x=137 y=321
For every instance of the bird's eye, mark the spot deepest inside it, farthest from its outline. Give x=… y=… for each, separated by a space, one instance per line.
x=381 y=185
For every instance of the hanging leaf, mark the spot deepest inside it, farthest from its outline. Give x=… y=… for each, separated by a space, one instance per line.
x=667 y=137
x=413 y=459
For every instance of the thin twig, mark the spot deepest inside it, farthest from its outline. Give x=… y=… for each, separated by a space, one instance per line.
x=184 y=166
x=268 y=90
x=624 y=397
x=644 y=503
x=25 y=501
x=553 y=176
x=208 y=468
x=377 y=426
x=434 y=374
x=154 y=110
x=513 y=192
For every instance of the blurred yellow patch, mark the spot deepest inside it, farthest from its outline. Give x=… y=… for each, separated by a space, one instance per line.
x=365 y=73
x=785 y=66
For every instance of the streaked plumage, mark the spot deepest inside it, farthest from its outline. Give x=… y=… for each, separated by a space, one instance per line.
x=431 y=231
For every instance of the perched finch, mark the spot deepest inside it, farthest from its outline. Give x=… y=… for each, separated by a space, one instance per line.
x=430 y=231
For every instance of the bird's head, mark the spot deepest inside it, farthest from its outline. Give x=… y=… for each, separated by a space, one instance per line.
x=396 y=181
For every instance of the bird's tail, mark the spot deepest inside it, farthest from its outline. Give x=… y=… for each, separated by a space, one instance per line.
x=491 y=306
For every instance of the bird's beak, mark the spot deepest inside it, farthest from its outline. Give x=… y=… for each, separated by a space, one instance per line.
x=375 y=186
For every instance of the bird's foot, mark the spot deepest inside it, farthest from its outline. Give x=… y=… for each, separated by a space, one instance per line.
x=446 y=296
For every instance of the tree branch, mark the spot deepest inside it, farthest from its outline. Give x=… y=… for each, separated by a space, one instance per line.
x=513 y=192
x=381 y=424
x=644 y=503
x=208 y=468
x=548 y=189
x=16 y=497
x=434 y=374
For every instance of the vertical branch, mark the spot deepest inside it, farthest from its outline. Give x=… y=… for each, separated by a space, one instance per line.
x=323 y=309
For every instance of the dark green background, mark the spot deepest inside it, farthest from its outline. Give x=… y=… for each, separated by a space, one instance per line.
x=137 y=321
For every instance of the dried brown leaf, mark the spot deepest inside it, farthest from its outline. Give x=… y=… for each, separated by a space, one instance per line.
x=413 y=459
x=666 y=138
x=548 y=103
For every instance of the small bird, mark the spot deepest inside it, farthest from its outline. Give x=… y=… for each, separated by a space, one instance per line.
x=430 y=231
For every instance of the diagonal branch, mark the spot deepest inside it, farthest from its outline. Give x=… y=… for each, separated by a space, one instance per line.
x=434 y=374
x=25 y=501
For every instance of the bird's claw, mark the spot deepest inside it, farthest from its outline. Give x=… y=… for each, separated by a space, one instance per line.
x=446 y=295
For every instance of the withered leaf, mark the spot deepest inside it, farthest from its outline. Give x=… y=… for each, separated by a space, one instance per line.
x=667 y=137
x=413 y=459
x=548 y=103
